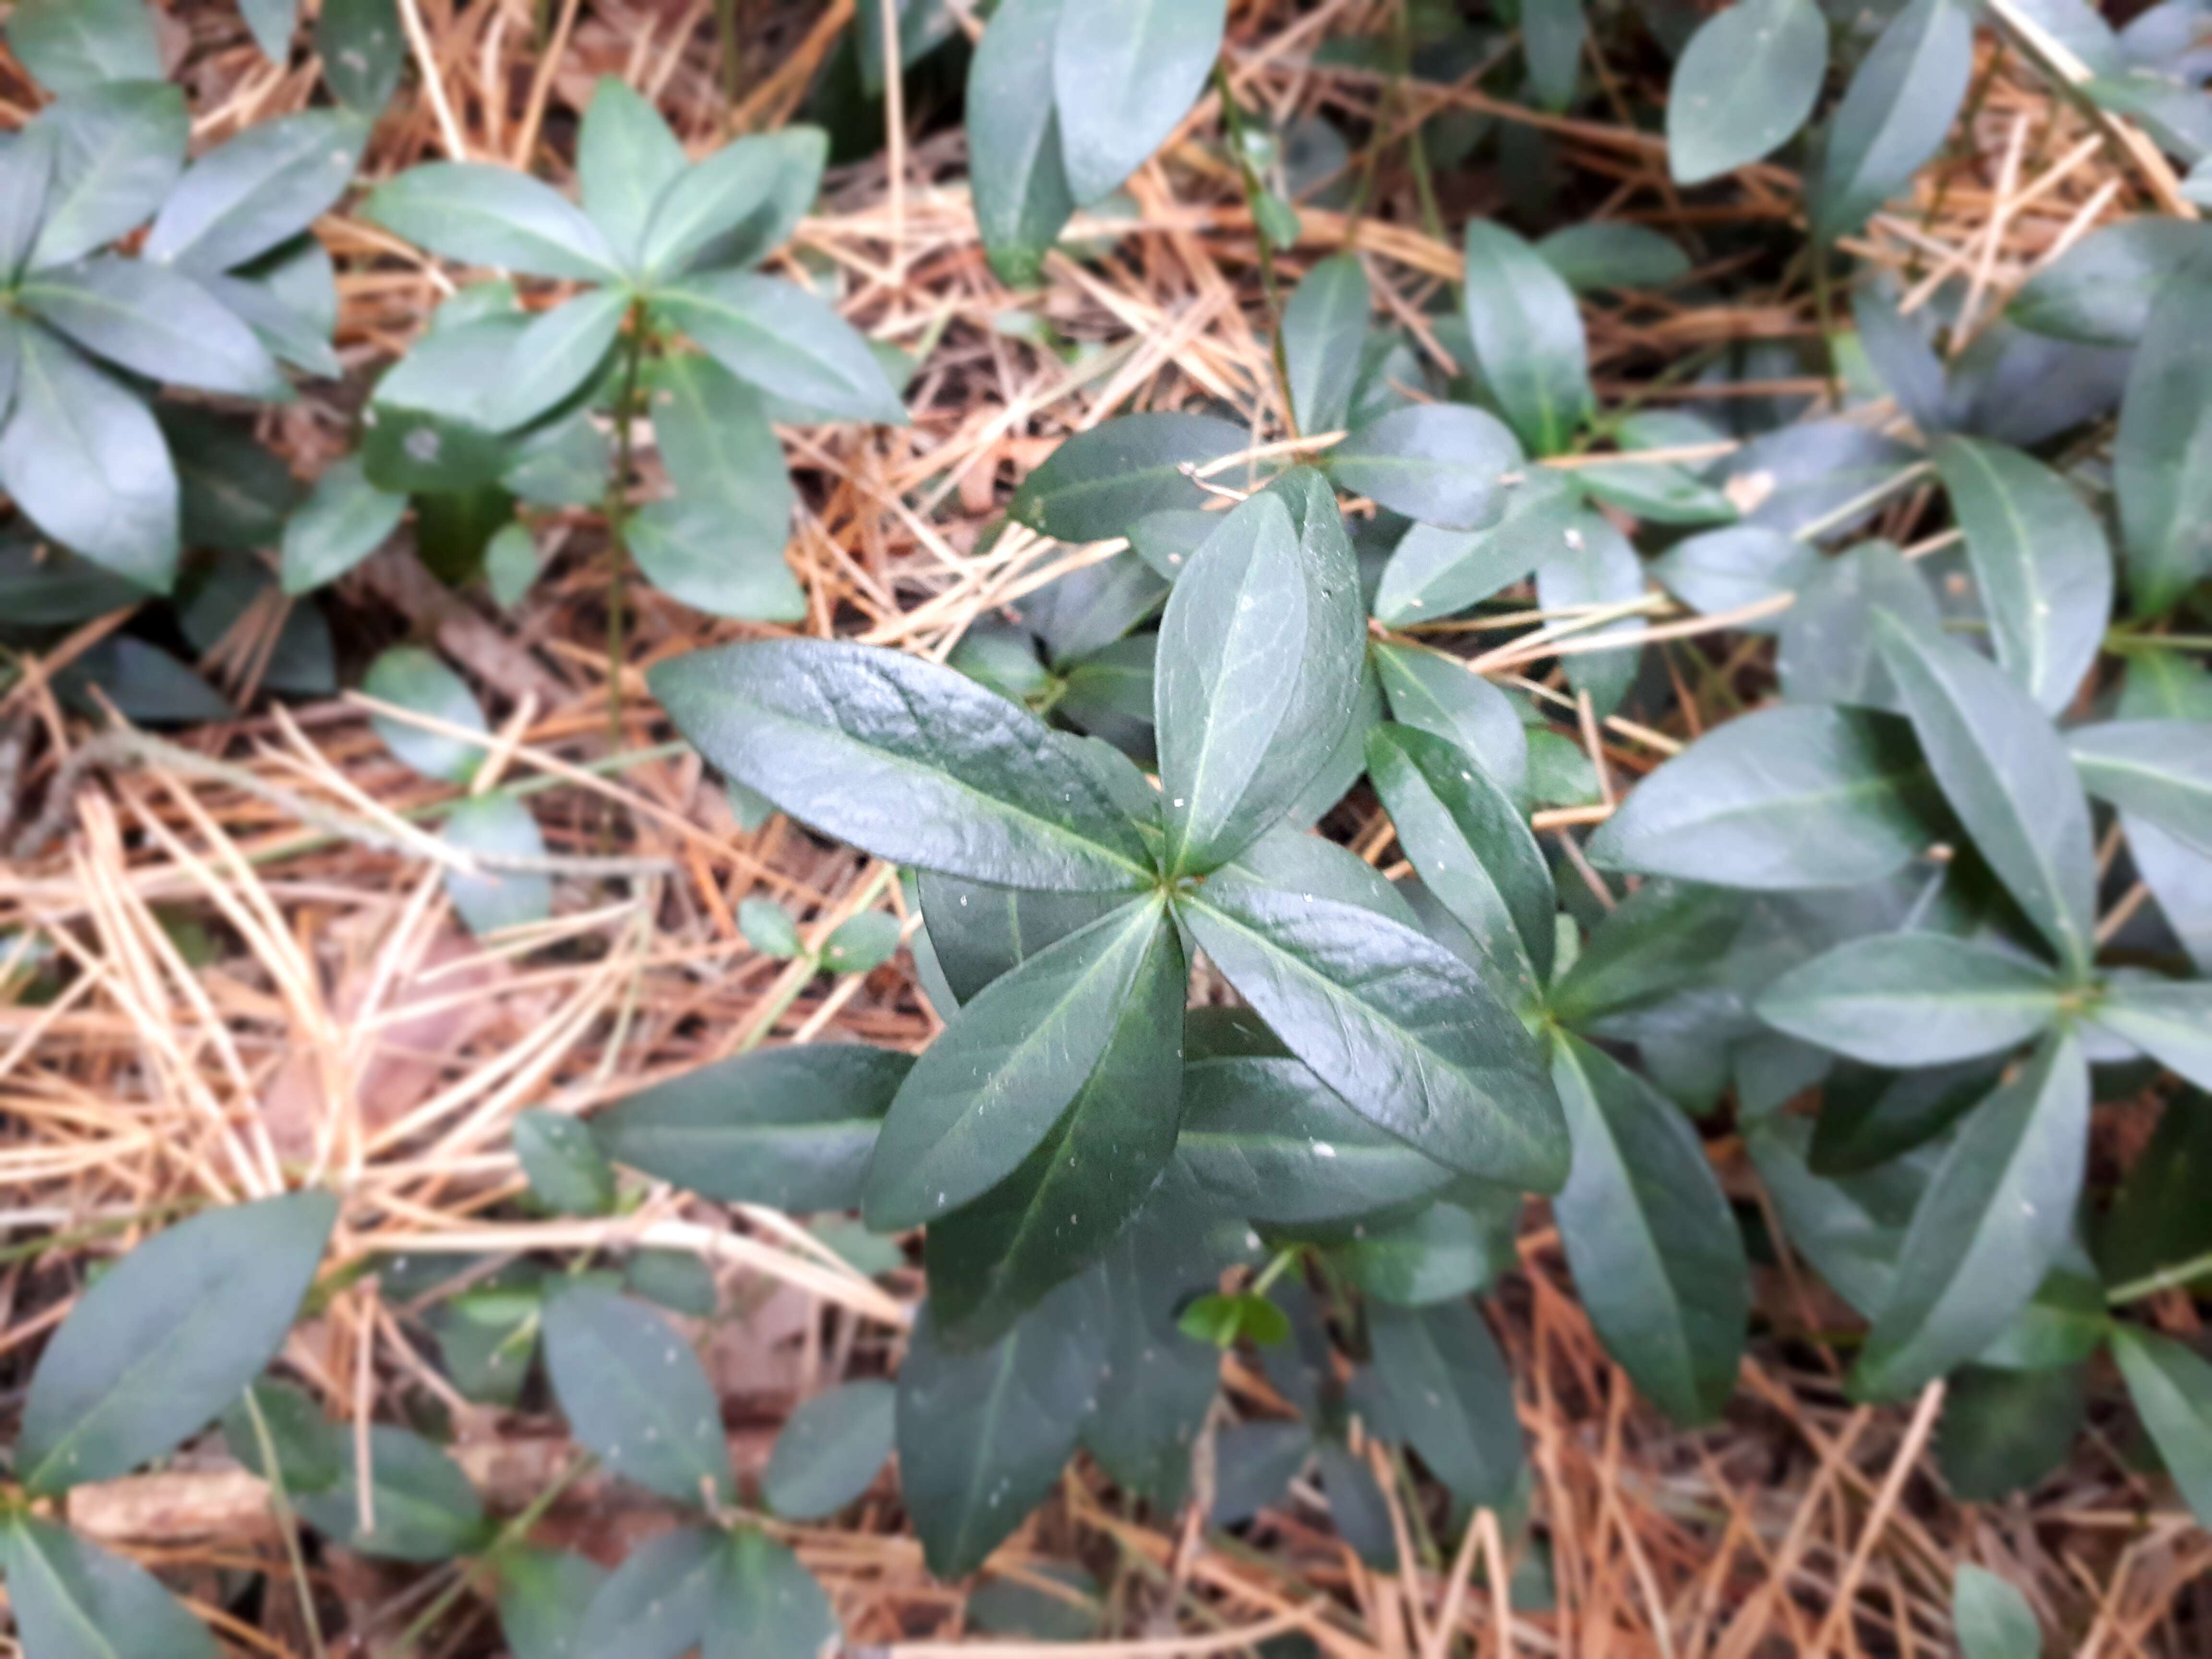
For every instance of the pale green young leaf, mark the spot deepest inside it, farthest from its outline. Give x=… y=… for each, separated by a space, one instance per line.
x=1907 y=999
x=1744 y=85
x=153 y=322
x=1019 y=184
x=636 y=1394
x=776 y=336
x=1445 y=1253
x=493 y=215
x=1124 y=73
x=1443 y=464
x=1894 y=113
x=257 y=191
x=1324 y=329
x=72 y=1601
x=861 y=943
x=1529 y=335
x=511 y=565
x=626 y=157
x=830 y=1451
x=1097 y=484
x=408 y=677
x=118 y=150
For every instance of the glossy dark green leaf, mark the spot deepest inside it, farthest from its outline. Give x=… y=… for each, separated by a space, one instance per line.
x=493 y=215
x=567 y=1171
x=345 y=520
x=656 y=1605
x=410 y=678
x=787 y=1128
x=1827 y=651
x=1613 y=254
x=907 y=760
x=74 y=1602
x=1089 y=608
x=1992 y=1619
x=2100 y=290
x=2158 y=771
x=1399 y=1027
x=1528 y=337
x=556 y=353
x=166 y=1338
x=425 y=1510
x=1743 y=87
x=1869 y=1116
x=1245 y=717
x=1356 y=1506
x=1657 y=1255
x=1790 y=797
x=2040 y=559
x=1596 y=566
x=626 y=157
x=70 y=45
x=87 y=464
x=1440 y=463
x=776 y=336
x=1292 y=861
x=428 y=430
x=1437 y=694
x=2170 y=1020
x=2172 y=1388
x=981 y=1437
x=545 y=1597
x=155 y=323
x=2004 y=1431
x=738 y=205
x=861 y=943
x=140 y=682
x=260 y=189
x=1474 y=851
x=979 y=933
x=1662 y=936
x=363 y=50
x=290 y=298
x=830 y=1451
x=565 y=462
x=635 y=1393
x=118 y=150
x=1813 y=471
x=2006 y=776
x=1435 y=572
x=1099 y=483
x=1451 y=1396
x=1994 y=1214
x=764 y=1605
x=1894 y=113
x=1018 y=1606
x=1122 y=78
x=1917 y=999
x=1445 y=1251
x=1324 y=328
x=675 y=1279
x=43 y=586
x=1019 y=184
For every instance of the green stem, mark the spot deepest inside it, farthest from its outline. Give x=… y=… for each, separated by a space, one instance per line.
x=618 y=516
x=1824 y=304
x=514 y=1532
x=2166 y=1279
x=780 y=1000
x=1254 y=189
x=1274 y=1270
x=281 y=1501
x=732 y=63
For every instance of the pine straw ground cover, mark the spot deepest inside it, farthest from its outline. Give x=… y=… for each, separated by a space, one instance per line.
x=262 y=967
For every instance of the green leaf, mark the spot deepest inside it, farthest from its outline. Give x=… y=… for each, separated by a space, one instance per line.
x=2160 y=457
x=425 y=1508
x=341 y=523
x=1827 y=650
x=87 y=464
x=2040 y=559
x=1445 y=1253
x=272 y=23
x=27 y=174
x=1438 y=695
x=1995 y=1215
x=1324 y=332
x=1442 y=463
x=1656 y=492
x=830 y=1451
x=1993 y=1620
x=1015 y=173
x=558 y=351
x=861 y=943
x=498 y=899
x=1451 y=1396
x=904 y=759
x=1403 y=1029
x=738 y=205
x=1475 y=852
x=1869 y=1117
x=2158 y=1219
x=1435 y=574
x=2172 y=1388
x=656 y=1605
x=2005 y=1432
x=1894 y=113
x=2100 y=291
x=362 y=51
x=310 y=1449
x=1099 y=483
x=2170 y=1020
x=787 y=1128
x=1256 y=1462
x=1123 y=75
x=675 y=1279
x=1527 y=336
x=764 y=1605
x=408 y=676
x=428 y=430
x=493 y=215
x=716 y=441
x=1791 y=797
x=143 y=683
x=568 y=1172
x=1596 y=566
x=511 y=565
x=166 y=1338
x=720 y=556
x=74 y=1602
x=488 y=1342
x=257 y=191
x=635 y=1393
x=1613 y=253
x=155 y=323
x=119 y=149
x=1033 y=1059
x=69 y=46
x=1257 y=673
x=1356 y=1506
x=1293 y=862
x=2007 y=776
x=1744 y=85
x=1660 y=937
x=980 y=932
x=626 y=158
x=1848 y=1228
x=981 y=1437
x=545 y=1597
x=1904 y=1000
x=2158 y=771
x=769 y=928
x=1648 y=1231
x=780 y=337
x=1225 y=1320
